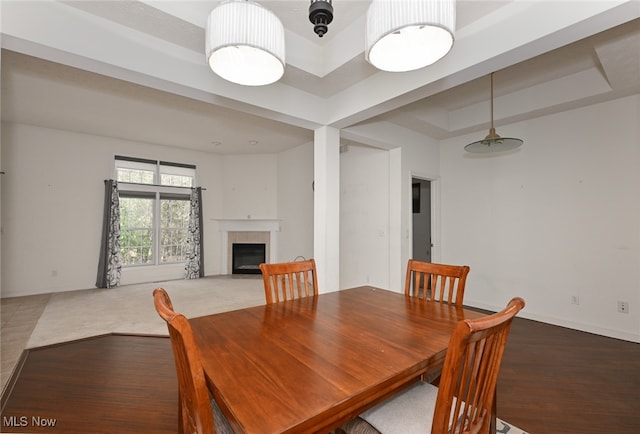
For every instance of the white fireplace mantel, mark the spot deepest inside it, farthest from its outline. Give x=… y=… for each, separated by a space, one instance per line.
x=268 y=225
x=247 y=225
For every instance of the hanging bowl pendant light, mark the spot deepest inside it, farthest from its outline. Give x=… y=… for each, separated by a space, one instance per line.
x=245 y=43
x=493 y=142
x=405 y=35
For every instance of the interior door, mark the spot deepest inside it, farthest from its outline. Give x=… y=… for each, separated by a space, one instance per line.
x=421 y=211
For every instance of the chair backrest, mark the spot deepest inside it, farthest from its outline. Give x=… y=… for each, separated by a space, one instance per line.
x=289 y=280
x=470 y=373
x=438 y=282
x=194 y=413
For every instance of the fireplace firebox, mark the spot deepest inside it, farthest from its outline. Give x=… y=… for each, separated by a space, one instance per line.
x=247 y=257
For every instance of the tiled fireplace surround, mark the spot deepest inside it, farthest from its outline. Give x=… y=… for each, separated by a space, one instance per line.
x=248 y=231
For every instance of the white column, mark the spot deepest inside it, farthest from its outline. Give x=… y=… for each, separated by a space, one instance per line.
x=397 y=261
x=326 y=214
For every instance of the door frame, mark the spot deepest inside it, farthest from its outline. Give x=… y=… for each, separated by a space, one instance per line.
x=434 y=211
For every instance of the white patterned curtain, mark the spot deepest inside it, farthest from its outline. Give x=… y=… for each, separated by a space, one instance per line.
x=110 y=264
x=195 y=252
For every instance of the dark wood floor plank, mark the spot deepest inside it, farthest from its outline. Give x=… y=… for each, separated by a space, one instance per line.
x=557 y=380
x=107 y=384
x=553 y=380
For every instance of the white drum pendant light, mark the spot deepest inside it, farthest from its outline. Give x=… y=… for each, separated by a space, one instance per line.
x=404 y=35
x=245 y=43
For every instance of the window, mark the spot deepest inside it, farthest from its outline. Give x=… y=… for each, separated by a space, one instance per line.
x=154 y=210
x=136 y=229
x=174 y=223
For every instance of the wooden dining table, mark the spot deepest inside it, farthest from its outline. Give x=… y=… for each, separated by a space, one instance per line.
x=311 y=364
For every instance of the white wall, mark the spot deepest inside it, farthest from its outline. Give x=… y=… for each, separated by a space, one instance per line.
x=558 y=218
x=250 y=186
x=295 y=203
x=52 y=204
x=364 y=217
x=1 y=165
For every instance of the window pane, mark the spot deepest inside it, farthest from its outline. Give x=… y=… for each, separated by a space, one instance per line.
x=139 y=176
x=176 y=180
x=174 y=223
x=136 y=230
x=177 y=175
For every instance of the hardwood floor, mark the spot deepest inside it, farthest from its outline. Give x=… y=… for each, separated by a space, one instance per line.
x=108 y=384
x=553 y=380
x=557 y=380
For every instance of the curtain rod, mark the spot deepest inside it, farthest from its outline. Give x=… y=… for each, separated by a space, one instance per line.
x=156 y=185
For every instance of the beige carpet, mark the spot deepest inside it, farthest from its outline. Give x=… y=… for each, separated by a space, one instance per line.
x=129 y=309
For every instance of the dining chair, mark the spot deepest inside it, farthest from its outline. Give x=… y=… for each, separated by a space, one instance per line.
x=198 y=413
x=289 y=280
x=438 y=282
x=464 y=400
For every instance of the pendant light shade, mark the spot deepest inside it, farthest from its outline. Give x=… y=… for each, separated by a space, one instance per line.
x=404 y=35
x=245 y=43
x=493 y=142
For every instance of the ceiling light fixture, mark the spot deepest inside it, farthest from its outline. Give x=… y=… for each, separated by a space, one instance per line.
x=320 y=15
x=245 y=43
x=493 y=142
x=404 y=35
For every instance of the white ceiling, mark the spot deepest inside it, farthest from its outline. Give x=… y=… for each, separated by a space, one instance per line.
x=136 y=70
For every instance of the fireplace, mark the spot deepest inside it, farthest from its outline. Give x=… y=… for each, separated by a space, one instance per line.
x=247 y=257
x=247 y=231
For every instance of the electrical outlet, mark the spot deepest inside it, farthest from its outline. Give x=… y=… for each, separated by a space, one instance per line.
x=623 y=307
x=575 y=299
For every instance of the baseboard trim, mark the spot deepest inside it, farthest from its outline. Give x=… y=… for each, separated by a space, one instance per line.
x=589 y=328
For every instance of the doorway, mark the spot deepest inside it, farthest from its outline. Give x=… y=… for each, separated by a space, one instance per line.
x=421 y=211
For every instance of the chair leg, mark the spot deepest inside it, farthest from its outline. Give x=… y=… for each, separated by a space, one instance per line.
x=181 y=429
x=494 y=410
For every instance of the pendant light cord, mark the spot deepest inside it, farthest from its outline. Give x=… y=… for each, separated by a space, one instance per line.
x=492 y=100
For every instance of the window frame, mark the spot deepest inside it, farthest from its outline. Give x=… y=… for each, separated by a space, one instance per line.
x=157 y=192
